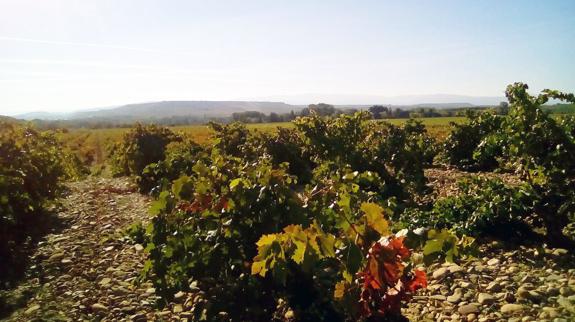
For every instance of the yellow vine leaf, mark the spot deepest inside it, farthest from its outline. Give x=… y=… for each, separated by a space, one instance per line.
x=339 y=291
x=374 y=216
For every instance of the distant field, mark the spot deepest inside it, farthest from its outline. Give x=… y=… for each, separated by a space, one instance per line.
x=92 y=145
x=436 y=126
x=560 y=108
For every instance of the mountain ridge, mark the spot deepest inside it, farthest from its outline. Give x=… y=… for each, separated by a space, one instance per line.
x=204 y=109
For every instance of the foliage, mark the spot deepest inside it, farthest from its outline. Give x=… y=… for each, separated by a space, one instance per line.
x=528 y=140
x=351 y=140
x=287 y=146
x=206 y=225
x=405 y=150
x=542 y=150
x=374 y=278
x=421 y=141
x=136 y=232
x=461 y=146
x=229 y=138
x=139 y=147
x=446 y=244
x=32 y=166
x=179 y=158
x=259 y=219
x=482 y=207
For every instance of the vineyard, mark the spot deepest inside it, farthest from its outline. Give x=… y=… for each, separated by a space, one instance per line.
x=340 y=218
x=92 y=145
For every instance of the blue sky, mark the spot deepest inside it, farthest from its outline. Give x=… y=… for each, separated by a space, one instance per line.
x=61 y=55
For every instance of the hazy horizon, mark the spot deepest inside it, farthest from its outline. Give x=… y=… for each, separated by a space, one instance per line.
x=311 y=98
x=63 y=55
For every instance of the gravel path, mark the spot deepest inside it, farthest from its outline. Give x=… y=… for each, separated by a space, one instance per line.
x=87 y=272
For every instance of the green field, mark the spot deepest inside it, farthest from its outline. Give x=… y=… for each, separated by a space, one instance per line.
x=560 y=108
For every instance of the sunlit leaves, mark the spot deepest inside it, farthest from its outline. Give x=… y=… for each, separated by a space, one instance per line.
x=339 y=291
x=374 y=218
x=269 y=251
x=446 y=243
x=296 y=243
x=160 y=205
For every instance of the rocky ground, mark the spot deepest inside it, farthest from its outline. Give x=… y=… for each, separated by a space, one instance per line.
x=88 y=272
x=444 y=180
x=507 y=284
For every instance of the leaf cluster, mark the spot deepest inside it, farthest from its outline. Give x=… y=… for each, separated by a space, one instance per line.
x=261 y=219
x=32 y=166
x=139 y=147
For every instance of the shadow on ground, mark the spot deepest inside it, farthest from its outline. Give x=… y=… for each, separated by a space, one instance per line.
x=16 y=263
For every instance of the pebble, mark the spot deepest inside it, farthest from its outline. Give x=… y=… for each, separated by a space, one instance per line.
x=493 y=262
x=467 y=309
x=98 y=307
x=551 y=312
x=456 y=297
x=485 y=298
x=565 y=291
x=56 y=257
x=455 y=269
x=179 y=295
x=464 y=284
x=493 y=287
x=560 y=252
x=512 y=308
x=440 y=273
x=32 y=309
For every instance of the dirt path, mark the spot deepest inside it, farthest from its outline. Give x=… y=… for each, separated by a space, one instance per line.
x=87 y=272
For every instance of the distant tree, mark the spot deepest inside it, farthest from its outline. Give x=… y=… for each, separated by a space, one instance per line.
x=400 y=113
x=322 y=109
x=237 y=117
x=274 y=117
x=503 y=108
x=249 y=117
x=379 y=111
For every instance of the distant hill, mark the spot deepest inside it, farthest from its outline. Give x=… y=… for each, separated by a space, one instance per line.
x=42 y=116
x=200 y=111
x=441 y=100
x=8 y=119
x=167 y=109
x=186 y=108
